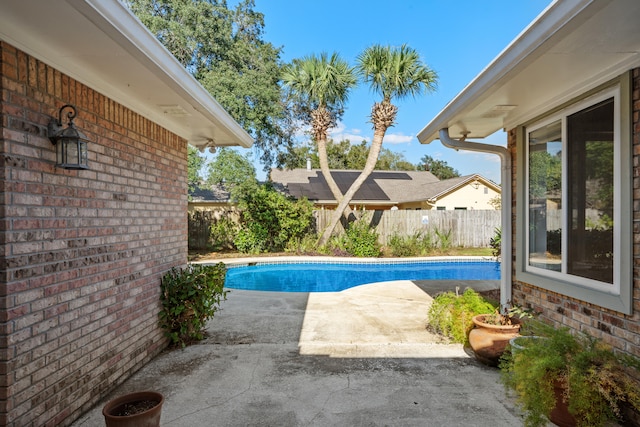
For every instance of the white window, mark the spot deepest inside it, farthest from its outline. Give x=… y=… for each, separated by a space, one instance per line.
x=576 y=218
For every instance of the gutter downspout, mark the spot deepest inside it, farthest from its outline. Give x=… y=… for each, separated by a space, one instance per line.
x=505 y=200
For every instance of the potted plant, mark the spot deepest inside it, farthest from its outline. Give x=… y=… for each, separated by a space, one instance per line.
x=451 y=313
x=140 y=409
x=570 y=379
x=491 y=333
x=522 y=341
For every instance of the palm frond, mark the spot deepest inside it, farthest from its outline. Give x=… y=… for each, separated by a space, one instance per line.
x=324 y=80
x=395 y=72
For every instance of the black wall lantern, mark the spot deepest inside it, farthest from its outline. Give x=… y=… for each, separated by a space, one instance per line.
x=71 y=144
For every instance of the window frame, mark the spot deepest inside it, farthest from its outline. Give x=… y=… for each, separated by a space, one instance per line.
x=618 y=296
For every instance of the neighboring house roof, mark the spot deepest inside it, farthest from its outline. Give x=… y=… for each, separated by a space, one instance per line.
x=557 y=57
x=209 y=194
x=448 y=186
x=102 y=44
x=381 y=187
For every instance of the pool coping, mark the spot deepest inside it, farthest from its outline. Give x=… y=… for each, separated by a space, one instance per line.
x=306 y=259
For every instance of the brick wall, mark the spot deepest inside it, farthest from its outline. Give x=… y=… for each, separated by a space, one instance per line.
x=83 y=251
x=619 y=330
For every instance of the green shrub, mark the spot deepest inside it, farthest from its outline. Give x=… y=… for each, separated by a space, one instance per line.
x=336 y=246
x=450 y=314
x=222 y=233
x=270 y=220
x=417 y=244
x=425 y=242
x=189 y=298
x=596 y=379
x=443 y=238
x=401 y=246
x=362 y=240
x=251 y=239
x=496 y=242
x=304 y=245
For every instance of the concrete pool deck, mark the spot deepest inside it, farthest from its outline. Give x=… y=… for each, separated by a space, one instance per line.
x=360 y=357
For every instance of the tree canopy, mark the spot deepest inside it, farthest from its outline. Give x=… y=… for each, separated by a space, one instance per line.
x=233 y=171
x=439 y=168
x=230 y=167
x=395 y=72
x=225 y=51
x=320 y=85
x=195 y=162
x=345 y=155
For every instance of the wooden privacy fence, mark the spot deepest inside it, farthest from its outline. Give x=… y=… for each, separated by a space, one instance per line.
x=471 y=228
x=199 y=225
x=468 y=228
x=200 y=222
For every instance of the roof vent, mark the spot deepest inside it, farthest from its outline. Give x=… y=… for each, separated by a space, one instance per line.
x=174 y=110
x=499 y=111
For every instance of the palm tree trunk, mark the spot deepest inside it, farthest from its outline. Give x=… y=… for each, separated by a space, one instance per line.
x=324 y=167
x=372 y=159
x=321 y=121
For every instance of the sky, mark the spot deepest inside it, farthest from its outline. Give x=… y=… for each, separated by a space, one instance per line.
x=455 y=38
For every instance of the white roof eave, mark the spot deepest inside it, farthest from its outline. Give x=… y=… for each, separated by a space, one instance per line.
x=101 y=44
x=571 y=47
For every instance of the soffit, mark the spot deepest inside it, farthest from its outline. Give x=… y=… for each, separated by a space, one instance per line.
x=573 y=46
x=101 y=44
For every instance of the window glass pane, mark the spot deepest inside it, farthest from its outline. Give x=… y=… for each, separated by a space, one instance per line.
x=590 y=150
x=545 y=197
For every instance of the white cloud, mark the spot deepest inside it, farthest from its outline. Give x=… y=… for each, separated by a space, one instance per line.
x=397 y=138
x=437 y=155
x=355 y=136
x=302 y=131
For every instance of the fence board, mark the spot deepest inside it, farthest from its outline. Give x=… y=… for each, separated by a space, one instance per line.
x=470 y=228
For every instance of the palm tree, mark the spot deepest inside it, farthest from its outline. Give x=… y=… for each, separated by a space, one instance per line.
x=392 y=73
x=322 y=83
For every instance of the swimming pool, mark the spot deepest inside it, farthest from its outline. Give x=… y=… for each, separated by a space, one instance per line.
x=338 y=276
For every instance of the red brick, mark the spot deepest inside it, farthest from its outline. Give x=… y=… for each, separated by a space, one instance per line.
x=67 y=243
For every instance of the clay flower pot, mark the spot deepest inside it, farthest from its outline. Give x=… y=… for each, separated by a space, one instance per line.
x=560 y=414
x=489 y=341
x=141 y=409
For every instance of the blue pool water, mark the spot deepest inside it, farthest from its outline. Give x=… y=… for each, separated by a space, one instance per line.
x=335 y=277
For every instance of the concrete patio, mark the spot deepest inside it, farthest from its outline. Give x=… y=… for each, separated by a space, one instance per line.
x=361 y=357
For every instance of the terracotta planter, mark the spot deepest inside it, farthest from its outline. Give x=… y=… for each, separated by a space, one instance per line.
x=489 y=341
x=560 y=414
x=630 y=417
x=115 y=411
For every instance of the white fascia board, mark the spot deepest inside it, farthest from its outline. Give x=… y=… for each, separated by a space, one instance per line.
x=523 y=49
x=102 y=45
x=121 y=25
